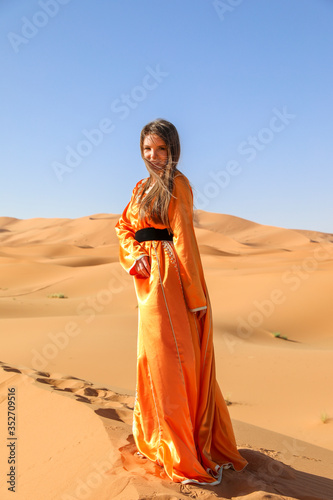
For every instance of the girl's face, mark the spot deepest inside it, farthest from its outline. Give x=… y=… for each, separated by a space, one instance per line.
x=155 y=151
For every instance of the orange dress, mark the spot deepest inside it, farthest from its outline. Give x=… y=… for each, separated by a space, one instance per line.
x=181 y=420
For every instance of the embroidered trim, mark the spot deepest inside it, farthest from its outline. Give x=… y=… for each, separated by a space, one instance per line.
x=169 y=248
x=137 y=196
x=217 y=476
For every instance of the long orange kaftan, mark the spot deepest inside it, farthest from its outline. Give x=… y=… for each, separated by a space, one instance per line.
x=180 y=421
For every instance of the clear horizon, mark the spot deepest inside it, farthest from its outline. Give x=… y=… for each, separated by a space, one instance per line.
x=248 y=86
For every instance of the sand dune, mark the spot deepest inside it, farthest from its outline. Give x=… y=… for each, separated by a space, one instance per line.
x=91 y=453
x=68 y=317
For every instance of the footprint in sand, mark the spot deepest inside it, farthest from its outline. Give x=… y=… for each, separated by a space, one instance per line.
x=10 y=368
x=106 y=403
x=109 y=404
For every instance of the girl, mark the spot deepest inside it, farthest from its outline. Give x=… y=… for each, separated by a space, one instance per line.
x=181 y=420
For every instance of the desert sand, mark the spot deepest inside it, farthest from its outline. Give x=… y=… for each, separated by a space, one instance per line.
x=68 y=323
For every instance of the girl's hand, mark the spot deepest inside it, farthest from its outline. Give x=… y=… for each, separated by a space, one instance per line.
x=142 y=267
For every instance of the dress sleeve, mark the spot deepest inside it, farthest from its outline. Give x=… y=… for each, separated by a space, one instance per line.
x=181 y=222
x=130 y=250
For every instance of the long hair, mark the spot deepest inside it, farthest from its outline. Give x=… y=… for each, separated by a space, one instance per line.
x=154 y=203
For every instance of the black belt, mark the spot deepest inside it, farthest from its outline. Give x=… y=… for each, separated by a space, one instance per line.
x=151 y=233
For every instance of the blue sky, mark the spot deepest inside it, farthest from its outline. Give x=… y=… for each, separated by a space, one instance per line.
x=248 y=84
